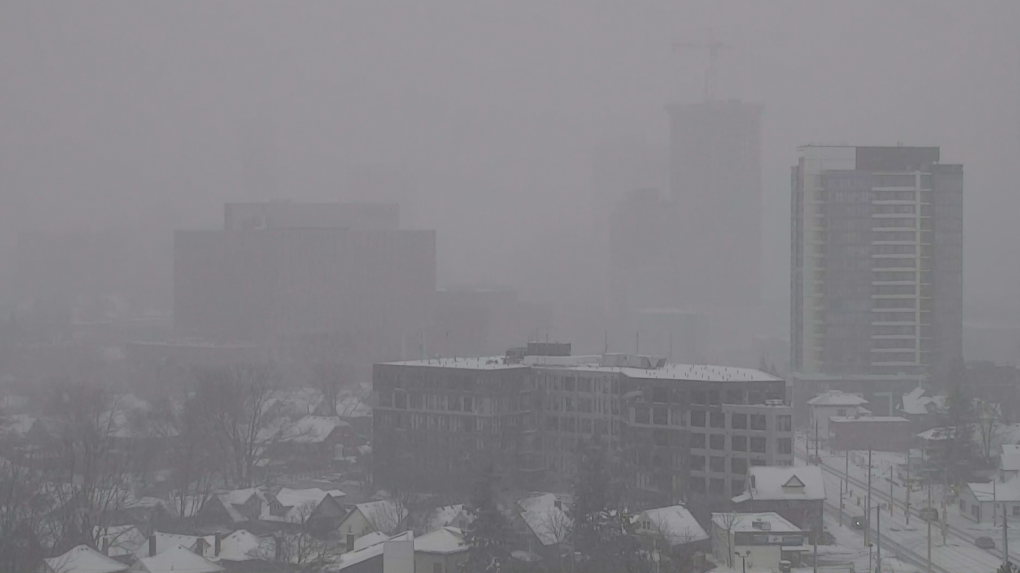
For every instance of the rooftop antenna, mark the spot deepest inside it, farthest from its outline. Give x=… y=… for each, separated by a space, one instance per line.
x=713 y=47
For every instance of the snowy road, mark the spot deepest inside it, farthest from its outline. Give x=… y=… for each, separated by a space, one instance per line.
x=909 y=542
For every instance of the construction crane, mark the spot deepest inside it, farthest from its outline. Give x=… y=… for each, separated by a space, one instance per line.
x=713 y=47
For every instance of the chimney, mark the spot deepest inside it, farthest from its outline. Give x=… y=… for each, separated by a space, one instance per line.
x=152 y=545
x=219 y=544
x=106 y=546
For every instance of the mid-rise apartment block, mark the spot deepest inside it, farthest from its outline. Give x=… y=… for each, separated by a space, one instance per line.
x=675 y=430
x=876 y=269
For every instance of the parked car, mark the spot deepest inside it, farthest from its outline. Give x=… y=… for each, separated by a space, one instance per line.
x=985 y=542
x=930 y=514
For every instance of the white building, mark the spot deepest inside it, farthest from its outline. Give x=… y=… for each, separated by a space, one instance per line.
x=832 y=404
x=673 y=524
x=984 y=502
x=760 y=540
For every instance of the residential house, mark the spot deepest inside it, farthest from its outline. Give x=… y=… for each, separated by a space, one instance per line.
x=441 y=551
x=382 y=516
x=1009 y=462
x=232 y=507
x=922 y=410
x=829 y=404
x=120 y=540
x=447 y=516
x=319 y=509
x=796 y=493
x=757 y=541
x=313 y=442
x=176 y=560
x=670 y=528
x=83 y=559
x=543 y=523
x=392 y=555
x=984 y=502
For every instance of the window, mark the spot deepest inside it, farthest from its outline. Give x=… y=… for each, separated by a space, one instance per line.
x=717 y=486
x=717 y=464
x=584 y=384
x=738 y=421
x=738 y=466
x=757 y=421
x=713 y=397
x=784 y=445
x=586 y=425
x=734 y=397
x=785 y=423
x=568 y=384
x=698 y=463
x=757 y=462
x=660 y=395
x=738 y=487
x=717 y=442
x=698 y=418
x=698 y=441
x=552 y=423
x=1016 y=510
x=660 y=415
x=641 y=414
x=698 y=397
x=738 y=443
x=717 y=420
x=758 y=445
x=661 y=438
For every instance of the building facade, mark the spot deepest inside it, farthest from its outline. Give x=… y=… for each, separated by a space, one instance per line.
x=673 y=430
x=876 y=269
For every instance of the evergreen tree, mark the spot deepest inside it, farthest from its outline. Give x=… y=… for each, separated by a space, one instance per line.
x=488 y=536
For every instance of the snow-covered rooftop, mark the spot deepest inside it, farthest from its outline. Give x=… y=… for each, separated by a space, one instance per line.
x=865 y=419
x=478 y=363
x=837 y=398
x=84 y=559
x=785 y=483
x=123 y=539
x=240 y=545
x=176 y=560
x=369 y=539
x=546 y=516
x=168 y=541
x=384 y=515
x=374 y=550
x=1008 y=491
x=915 y=403
x=444 y=516
x=442 y=541
x=311 y=429
x=674 y=523
x=746 y=522
x=300 y=502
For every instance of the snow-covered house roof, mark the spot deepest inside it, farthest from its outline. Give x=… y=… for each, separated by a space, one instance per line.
x=384 y=515
x=176 y=560
x=545 y=515
x=83 y=559
x=354 y=557
x=784 y=483
x=240 y=545
x=837 y=398
x=447 y=516
x=168 y=541
x=369 y=539
x=298 y=502
x=231 y=500
x=311 y=429
x=915 y=403
x=674 y=523
x=442 y=541
x=766 y=521
x=1008 y=491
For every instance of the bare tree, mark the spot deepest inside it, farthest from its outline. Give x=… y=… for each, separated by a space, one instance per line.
x=191 y=455
x=89 y=481
x=329 y=380
x=20 y=549
x=301 y=546
x=236 y=403
x=987 y=421
x=729 y=521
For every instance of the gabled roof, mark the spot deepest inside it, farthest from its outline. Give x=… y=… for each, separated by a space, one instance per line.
x=168 y=541
x=445 y=517
x=546 y=517
x=384 y=515
x=674 y=523
x=784 y=483
x=746 y=522
x=442 y=541
x=240 y=545
x=84 y=559
x=915 y=402
x=1008 y=491
x=837 y=398
x=176 y=560
x=298 y=502
x=354 y=557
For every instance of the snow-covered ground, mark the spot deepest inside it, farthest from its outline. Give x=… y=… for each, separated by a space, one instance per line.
x=956 y=553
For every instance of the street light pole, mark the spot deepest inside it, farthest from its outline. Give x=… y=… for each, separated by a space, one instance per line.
x=867 y=510
x=878 y=539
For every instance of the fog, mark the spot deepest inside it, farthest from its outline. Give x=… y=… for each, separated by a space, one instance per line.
x=136 y=115
x=488 y=287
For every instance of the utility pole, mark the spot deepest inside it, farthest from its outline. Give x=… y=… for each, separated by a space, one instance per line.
x=819 y=532
x=878 y=538
x=929 y=528
x=816 y=441
x=1005 y=541
x=867 y=511
x=891 y=498
x=907 y=495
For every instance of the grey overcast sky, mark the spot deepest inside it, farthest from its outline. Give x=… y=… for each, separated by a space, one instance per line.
x=128 y=114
